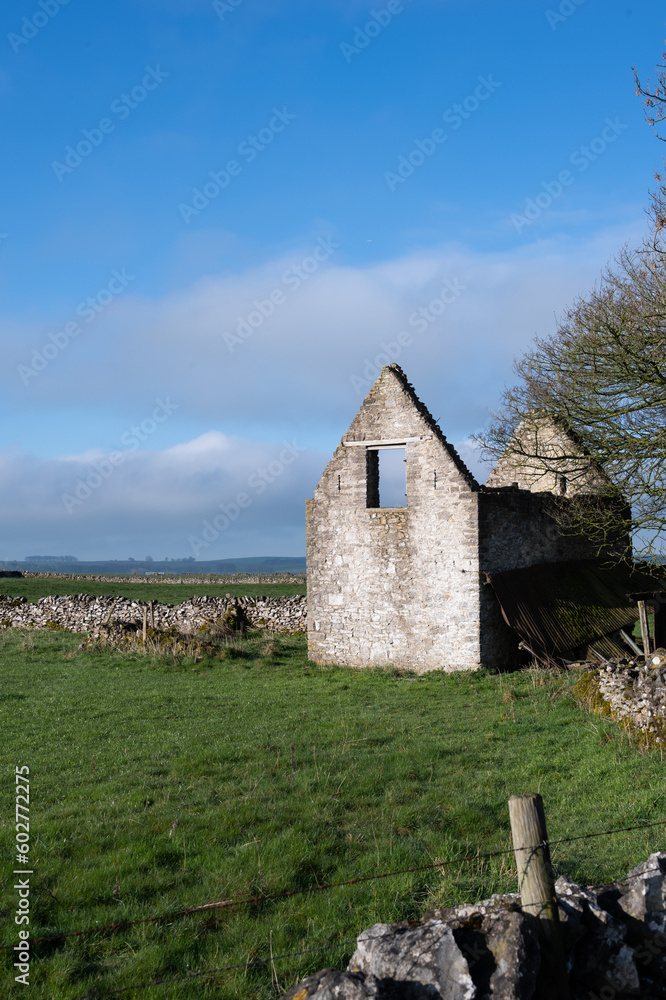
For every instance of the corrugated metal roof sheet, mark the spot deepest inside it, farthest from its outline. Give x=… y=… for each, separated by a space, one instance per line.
x=557 y=607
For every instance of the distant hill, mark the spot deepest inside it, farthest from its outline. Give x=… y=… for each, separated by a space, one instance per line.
x=125 y=567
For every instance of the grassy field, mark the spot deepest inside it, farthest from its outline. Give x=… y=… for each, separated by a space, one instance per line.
x=156 y=787
x=32 y=588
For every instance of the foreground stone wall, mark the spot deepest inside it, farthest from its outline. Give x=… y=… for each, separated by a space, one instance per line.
x=614 y=939
x=83 y=613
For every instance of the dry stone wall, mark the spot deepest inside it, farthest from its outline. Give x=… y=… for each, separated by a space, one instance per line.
x=84 y=613
x=161 y=578
x=614 y=939
x=632 y=693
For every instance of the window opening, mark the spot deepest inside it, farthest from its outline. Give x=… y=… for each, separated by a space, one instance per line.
x=387 y=477
x=372 y=478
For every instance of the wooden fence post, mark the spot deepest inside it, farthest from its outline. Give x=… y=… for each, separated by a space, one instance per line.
x=537 y=891
x=145 y=617
x=645 y=630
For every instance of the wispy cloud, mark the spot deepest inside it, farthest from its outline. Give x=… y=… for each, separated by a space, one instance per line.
x=296 y=368
x=290 y=381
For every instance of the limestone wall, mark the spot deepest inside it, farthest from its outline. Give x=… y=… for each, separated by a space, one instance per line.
x=394 y=585
x=632 y=693
x=543 y=456
x=405 y=586
x=83 y=612
x=516 y=530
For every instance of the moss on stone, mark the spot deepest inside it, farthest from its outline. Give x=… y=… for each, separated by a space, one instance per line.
x=588 y=693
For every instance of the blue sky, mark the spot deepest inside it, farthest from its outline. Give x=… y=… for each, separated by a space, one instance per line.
x=487 y=157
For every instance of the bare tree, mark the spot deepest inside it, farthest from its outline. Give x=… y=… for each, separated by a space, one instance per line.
x=654 y=109
x=602 y=377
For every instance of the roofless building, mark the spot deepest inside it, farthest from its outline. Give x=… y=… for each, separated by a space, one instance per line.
x=408 y=584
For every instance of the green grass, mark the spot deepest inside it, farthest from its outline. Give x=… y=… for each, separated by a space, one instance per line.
x=157 y=786
x=33 y=588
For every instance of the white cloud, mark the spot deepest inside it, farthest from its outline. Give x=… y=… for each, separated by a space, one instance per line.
x=153 y=502
x=296 y=375
x=298 y=363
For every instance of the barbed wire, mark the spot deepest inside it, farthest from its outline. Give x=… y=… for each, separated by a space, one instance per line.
x=271 y=897
x=262 y=898
x=604 y=833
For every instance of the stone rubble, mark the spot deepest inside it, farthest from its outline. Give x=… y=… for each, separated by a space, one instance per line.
x=86 y=613
x=633 y=693
x=614 y=938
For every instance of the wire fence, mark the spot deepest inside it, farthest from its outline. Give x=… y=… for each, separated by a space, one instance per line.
x=221 y=904
x=332 y=946
x=264 y=898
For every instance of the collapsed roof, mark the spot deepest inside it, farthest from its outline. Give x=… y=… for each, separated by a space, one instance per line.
x=573 y=610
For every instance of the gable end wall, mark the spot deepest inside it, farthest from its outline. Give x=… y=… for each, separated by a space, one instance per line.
x=394 y=585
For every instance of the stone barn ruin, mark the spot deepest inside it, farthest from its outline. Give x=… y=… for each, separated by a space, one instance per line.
x=409 y=585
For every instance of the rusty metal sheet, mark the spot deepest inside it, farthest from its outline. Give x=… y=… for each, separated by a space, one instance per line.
x=558 y=607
